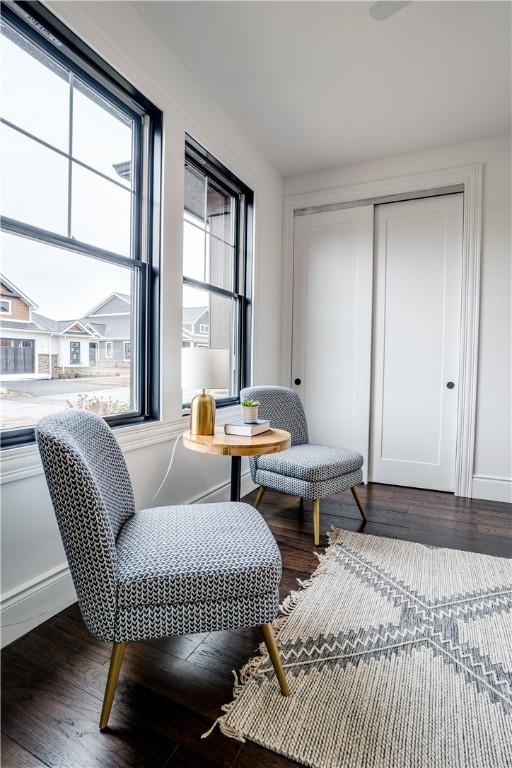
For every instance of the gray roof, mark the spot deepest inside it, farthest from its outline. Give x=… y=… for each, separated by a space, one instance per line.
x=98 y=327
x=55 y=326
x=114 y=328
x=14 y=325
x=124 y=169
x=193 y=314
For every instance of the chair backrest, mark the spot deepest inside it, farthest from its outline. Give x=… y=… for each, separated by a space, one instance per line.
x=92 y=497
x=283 y=407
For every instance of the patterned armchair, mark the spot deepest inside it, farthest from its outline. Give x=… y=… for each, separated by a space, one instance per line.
x=158 y=572
x=306 y=470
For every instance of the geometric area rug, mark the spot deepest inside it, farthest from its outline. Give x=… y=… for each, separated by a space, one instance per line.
x=398 y=655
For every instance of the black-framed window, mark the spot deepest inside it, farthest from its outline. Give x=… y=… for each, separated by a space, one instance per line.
x=80 y=223
x=217 y=265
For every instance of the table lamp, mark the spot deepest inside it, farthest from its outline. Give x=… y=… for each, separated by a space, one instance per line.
x=204 y=368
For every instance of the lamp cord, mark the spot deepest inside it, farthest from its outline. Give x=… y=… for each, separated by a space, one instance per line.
x=169 y=466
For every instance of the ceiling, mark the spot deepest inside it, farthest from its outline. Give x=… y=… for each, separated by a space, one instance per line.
x=321 y=84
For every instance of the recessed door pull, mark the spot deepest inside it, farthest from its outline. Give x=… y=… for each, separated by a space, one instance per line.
x=450 y=385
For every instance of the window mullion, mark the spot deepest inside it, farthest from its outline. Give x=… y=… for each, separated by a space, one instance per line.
x=60 y=152
x=70 y=150
x=206 y=233
x=203 y=286
x=67 y=243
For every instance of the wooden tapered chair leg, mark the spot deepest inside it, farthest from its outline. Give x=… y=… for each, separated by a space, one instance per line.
x=273 y=650
x=259 y=496
x=316 y=521
x=359 y=505
x=116 y=660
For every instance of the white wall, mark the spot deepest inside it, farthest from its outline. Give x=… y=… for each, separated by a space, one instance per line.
x=35 y=580
x=493 y=462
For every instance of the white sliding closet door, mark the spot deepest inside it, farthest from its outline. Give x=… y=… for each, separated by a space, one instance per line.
x=418 y=267
x=332 y=311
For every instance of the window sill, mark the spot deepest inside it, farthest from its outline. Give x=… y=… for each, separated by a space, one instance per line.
x=22 y=461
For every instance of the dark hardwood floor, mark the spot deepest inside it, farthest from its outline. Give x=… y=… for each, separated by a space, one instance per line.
x=171 y=690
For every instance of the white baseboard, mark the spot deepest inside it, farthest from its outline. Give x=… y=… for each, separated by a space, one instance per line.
x=35 y=601
x=221 y=492
x=492 y=488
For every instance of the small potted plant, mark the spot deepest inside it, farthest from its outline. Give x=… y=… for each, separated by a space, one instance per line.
x=250 y=411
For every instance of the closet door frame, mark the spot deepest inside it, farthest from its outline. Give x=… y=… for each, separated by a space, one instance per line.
x=467 y=179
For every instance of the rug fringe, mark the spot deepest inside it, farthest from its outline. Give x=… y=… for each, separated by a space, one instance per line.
x=251 y=671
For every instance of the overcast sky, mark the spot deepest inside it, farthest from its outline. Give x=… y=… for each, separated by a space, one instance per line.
x=34 y=189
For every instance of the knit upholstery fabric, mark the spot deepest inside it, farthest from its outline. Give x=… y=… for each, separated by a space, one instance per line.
x=146 y=622
x=307 y=470
x=312 y=463
x=196 y=553
x=158 y=572
x=92 y=497
x=318 y=490
x=283 y=408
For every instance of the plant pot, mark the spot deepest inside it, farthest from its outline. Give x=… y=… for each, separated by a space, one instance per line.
x=250 y=414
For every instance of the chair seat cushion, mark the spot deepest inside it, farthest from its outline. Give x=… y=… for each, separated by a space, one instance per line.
x=312 y=463
x=195 y=553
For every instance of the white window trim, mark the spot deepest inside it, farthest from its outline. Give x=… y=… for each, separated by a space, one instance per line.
x=9 y=302
x=126 y=359
x=204 y=328
x=22 y=461
x=109 y=345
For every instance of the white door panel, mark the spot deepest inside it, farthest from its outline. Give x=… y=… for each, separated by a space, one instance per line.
x=333 y=255
x=418 y=266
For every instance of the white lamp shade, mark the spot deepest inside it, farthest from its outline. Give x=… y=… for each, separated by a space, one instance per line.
x=204 y=368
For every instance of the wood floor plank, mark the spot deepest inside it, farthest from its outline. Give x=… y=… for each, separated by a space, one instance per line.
x=14 y=756
x=221 y=651
x=200 y=690
x=171 y=690
x=58 y=723
x=202 y=756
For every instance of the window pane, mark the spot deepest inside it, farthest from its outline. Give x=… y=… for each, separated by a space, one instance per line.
x=219 y=260
x=220 y=213
x=100 y=212
x=35 y=90
x=34 y=182
x=68 y=311
x=102 y=135
x=209 y=321
x=195 y=192
x=193 y=251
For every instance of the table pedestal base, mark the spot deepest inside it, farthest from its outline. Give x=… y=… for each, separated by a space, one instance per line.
x=236 y=477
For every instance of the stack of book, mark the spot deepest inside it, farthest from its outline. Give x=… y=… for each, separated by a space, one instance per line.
x=247 y=430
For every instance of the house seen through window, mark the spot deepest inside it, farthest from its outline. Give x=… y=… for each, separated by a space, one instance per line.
x=74 y=263
x=216 y=264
